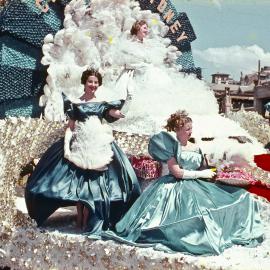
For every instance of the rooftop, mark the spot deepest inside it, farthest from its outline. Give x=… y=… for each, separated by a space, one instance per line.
x=220 y=74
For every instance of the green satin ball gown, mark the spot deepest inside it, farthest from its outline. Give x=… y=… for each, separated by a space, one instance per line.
x=192 y=215
x=56 y=182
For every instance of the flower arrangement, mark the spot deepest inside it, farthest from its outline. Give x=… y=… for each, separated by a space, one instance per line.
x=237 y=172
x=235 y=176
x=145 y=167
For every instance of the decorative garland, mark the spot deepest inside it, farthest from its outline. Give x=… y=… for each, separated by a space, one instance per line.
x=254 y=123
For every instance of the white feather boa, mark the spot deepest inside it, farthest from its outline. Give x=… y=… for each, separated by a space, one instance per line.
x=91 y=147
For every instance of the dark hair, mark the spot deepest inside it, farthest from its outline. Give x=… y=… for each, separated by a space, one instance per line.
x=91 y=72
x=177 y=120
x=136 y=27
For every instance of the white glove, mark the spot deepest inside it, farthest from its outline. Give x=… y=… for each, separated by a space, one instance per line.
x=130 y=91
x=208 y=173
x=137 y=66
x=130 y=83
x=68 y=136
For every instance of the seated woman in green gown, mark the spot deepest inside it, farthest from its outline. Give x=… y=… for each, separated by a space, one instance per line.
x=86 y=168
x=183 y=210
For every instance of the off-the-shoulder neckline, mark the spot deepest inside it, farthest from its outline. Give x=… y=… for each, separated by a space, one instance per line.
x=79 y=101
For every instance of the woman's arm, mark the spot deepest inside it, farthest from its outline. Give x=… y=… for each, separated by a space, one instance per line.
x=180 y=173
x=126 y=77
x=71 y=124
x=115 y=113
x=174 y=168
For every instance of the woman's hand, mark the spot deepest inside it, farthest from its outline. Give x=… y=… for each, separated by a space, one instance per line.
x=179 y=173
x=116 y=113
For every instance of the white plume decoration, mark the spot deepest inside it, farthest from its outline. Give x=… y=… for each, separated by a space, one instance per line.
x=91 y=148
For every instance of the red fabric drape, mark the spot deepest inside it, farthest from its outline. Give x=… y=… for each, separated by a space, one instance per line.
x=261 y=189
x=263 y=161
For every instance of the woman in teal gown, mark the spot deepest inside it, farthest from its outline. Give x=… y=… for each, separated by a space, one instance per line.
x=183 y=210
x=102 y=194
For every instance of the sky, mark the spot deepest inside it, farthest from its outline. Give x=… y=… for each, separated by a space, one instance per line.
x=232 y=35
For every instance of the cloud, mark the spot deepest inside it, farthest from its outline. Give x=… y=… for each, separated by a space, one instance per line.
x=216 y=3
x=233 y=59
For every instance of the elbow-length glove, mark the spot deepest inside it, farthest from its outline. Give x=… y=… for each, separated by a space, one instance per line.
x=68 y=137
x=208 y=173
x=130 y=91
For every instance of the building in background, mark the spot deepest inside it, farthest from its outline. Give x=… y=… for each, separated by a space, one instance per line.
x=262 y=90
x=232 y=95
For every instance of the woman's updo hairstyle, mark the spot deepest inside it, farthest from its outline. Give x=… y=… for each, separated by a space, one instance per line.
x=136 y=27
x=91 y=72
x=177 y=120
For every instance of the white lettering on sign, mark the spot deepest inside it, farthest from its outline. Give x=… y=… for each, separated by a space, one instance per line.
x=175 y=28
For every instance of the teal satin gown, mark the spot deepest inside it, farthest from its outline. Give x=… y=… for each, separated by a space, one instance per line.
x=192 y=215
x=56 y=182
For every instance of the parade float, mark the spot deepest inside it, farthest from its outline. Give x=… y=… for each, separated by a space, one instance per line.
x=97 y=35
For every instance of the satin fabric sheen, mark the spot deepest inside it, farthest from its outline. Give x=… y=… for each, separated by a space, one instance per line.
x=56 y=182
x=192 y=216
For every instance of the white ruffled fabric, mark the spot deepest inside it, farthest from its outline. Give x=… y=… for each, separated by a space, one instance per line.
x=91 y=147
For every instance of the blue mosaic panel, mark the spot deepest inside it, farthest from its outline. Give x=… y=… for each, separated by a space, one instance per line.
x=25 y=20
x=187 y=63
x=17 y=82
x=171 y=7
x=146 y=5
x=186 y=60
x=197 y=71
x=184 y=28
x=20 y=107
x=187 y=27
x=21 y=74
x=22 y=77
x=17 y=53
